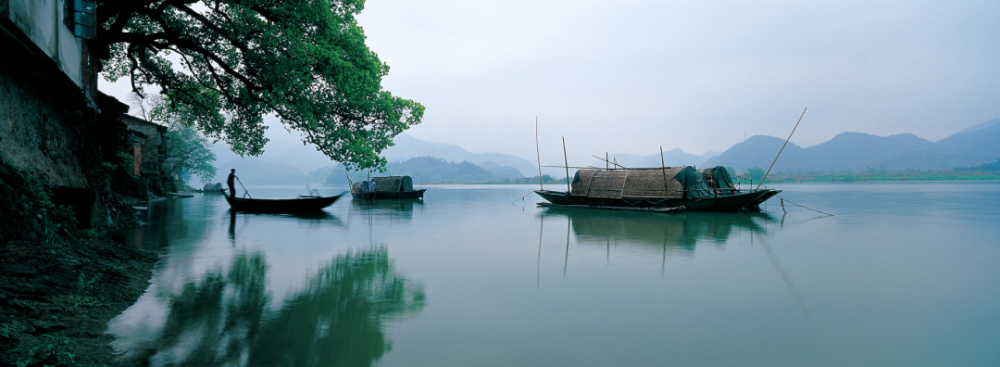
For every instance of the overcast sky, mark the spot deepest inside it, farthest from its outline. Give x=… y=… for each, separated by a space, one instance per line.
x=630 y=76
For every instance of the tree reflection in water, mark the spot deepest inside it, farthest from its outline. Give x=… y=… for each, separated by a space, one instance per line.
x=337 y=320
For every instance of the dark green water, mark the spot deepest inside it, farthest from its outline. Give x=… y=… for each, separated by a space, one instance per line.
x=905 y=274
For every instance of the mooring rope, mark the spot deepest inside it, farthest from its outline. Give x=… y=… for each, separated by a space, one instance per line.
x=783 y=200
x=521 y=199
x=644 y=200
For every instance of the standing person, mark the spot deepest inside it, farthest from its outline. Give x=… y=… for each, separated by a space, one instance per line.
x=232 y=189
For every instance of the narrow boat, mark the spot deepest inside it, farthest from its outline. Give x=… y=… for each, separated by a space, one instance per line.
x=657 y=189
x=297 y=205
x=389 y=187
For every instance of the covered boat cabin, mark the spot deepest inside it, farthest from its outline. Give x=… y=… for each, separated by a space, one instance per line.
x=388 y=187
x=683 y=182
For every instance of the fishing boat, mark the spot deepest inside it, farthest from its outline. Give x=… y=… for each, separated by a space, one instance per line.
x=657 y=189
x=301 y=204
x=388 y=187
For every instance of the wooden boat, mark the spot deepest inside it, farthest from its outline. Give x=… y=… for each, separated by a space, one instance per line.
x=657 y=188
x=389 y=187
x=297 y=205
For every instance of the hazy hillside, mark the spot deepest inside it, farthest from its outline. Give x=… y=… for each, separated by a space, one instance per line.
x=501 y=172
x=982 y=140
x=674 y=157
x=859 y=151
x=759 y=151
x=865 y=152
x=434 y=170
x=257 y=171
x=408 y=147
x=850 y=151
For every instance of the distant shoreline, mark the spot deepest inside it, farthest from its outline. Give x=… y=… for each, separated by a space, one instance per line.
x=879 y=177
x=824 y=177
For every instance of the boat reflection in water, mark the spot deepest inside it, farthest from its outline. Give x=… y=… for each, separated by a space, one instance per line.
x=311 y=219
x=675 y=233
x=227 y=318
x=656 y=231
x=395 y=208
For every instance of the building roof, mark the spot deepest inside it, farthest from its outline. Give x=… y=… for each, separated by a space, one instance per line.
x=135 y=121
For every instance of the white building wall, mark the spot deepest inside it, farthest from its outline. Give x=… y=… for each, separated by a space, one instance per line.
x=42 y=22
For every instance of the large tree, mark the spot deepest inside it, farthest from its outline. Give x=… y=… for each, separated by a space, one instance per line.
x=227 y=63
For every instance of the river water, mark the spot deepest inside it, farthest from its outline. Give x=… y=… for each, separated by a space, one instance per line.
x=903 y=274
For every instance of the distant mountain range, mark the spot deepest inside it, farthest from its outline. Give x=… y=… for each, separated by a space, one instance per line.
x=408 y=147
x=850 y=151
x=435 y=170
x=260 y=171
x=865 y=152
x=274 y=169
x=675 y=157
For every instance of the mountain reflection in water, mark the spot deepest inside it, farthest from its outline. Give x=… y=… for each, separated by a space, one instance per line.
x=337 y=320
x=657 y=230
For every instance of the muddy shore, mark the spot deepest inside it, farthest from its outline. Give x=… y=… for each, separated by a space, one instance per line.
x=56 y=300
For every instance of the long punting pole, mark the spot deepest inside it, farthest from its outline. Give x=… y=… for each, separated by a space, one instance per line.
x=539 y=155
x=663 y=165
x=566 y=160
x=610 y=162
x=782 y=148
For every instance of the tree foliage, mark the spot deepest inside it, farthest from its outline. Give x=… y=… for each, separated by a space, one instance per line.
x=755 y=173
x=192 y=154
x=227 y=63
x=188 y=150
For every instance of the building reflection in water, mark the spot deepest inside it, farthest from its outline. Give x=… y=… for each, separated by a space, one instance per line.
x=226 y=318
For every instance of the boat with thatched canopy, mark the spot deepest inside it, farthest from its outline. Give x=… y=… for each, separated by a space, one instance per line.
x=388 y=187
x=657 y=189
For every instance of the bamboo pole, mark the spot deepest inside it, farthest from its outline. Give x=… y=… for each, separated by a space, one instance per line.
x=539 y=155
x=607 y=161
x=663 y=165
x=782 y=148
x=566 y=160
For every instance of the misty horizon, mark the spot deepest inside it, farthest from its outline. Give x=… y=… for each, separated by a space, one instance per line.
x=698 y=77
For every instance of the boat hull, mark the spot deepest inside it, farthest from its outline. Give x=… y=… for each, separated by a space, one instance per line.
x=749 y=200
x=297 y=205
x=415 y=194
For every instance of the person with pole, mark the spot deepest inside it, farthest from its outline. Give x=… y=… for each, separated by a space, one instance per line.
x=232 y=187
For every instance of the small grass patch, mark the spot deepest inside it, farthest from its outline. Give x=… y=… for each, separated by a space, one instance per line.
x=53 y=351
x=77 y=301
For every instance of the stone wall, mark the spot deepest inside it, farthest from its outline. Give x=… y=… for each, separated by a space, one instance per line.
x=41 y=131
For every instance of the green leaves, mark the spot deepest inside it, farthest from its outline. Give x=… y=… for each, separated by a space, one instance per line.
x=230 y=62
x=191 y=151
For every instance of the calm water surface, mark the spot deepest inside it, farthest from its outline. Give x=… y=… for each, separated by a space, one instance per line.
x=904 y=274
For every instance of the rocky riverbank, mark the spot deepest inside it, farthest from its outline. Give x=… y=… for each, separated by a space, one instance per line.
x=56 y=300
